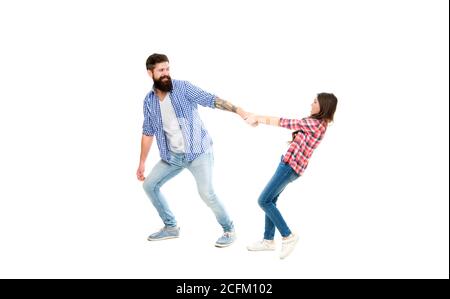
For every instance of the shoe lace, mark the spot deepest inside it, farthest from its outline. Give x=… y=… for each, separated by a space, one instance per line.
x=227 y=235
x=165 y=228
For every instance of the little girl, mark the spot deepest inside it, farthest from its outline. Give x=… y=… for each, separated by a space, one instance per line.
x=308 y=132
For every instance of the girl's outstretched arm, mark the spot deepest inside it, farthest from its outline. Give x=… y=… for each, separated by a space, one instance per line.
x=306 y=125
x=264 y=119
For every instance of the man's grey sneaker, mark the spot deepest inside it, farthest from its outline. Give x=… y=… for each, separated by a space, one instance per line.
x=226 y=239
x=167 y=232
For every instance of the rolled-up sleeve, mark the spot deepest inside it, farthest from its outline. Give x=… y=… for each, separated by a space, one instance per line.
x=147 y=127
x=307 y=125
x=199 y=96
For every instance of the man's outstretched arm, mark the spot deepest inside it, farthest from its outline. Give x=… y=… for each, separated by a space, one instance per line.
x=227 y=106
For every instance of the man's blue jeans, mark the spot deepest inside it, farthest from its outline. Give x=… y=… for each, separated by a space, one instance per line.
x=201 y=168
x=269 y=197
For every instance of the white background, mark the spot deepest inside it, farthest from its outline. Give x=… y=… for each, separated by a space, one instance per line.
x=373 y=202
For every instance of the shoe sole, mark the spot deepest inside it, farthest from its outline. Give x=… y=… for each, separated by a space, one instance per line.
x=261 y=249
x=223 y=245
x=161 y=239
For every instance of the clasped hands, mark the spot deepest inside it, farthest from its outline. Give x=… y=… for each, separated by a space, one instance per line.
x=250 y=119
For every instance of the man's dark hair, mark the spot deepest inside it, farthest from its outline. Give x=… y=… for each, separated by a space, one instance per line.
x=155 y=58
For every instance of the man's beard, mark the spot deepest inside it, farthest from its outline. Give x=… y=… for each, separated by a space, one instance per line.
x=163 y=85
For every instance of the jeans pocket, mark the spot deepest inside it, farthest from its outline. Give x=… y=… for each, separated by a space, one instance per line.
x=176 y=160
x=294 y=176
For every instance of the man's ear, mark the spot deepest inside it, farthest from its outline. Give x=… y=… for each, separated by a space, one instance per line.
x=150 y=73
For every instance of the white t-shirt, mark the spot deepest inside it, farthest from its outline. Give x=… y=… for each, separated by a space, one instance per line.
x=171 y=126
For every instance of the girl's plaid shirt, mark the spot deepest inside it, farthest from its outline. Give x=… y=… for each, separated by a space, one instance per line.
x=310 y=133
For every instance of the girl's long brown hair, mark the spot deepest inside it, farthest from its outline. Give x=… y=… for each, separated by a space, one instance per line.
x=327 y=104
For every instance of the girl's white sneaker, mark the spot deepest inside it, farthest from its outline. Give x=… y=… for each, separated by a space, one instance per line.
x=288 y=245
x=264 y=245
